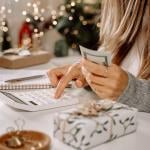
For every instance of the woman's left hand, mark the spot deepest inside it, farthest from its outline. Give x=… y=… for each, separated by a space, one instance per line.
x=106 y=82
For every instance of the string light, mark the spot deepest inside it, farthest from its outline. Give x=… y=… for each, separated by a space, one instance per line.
x=29 y=4
x=3 y=23
x=28 y=19
x=16 y=1
x=3 y=8
x=62 y=8
x=61 y=13
x=9 y=11
x=24 y=13
x=36 y=17
x=54 y=22
x=42 y=10
x=73 y=4
x=35 y=30
x=5 y=29
x=70 y=18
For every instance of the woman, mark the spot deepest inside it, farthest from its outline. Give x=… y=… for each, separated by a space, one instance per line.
x=125 y=31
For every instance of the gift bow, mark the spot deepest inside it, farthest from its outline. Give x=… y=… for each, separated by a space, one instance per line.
x=92 y=108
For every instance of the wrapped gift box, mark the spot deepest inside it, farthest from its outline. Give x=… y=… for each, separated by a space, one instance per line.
x=83 y=132
x=16 y=61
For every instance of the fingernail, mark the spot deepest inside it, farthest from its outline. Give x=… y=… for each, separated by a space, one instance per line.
x=79 y=83
x=56 y=96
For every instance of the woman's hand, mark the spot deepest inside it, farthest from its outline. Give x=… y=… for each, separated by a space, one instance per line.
x=60 y=77
x=106 y=82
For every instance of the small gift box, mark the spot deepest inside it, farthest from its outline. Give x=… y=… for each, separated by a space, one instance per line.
x=94 y=124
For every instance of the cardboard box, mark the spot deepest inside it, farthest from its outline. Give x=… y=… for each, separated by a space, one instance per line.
x=15 y=61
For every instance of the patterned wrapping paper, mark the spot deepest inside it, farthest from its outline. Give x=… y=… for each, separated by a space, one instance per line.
x=83 y=132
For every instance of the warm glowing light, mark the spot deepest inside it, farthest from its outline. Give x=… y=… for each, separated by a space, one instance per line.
x=28 y=19
x=24 y=13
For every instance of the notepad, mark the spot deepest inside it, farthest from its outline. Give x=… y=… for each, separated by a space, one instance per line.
x=37 y=83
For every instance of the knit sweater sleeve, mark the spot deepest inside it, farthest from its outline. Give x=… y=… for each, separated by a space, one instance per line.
x=137 y=94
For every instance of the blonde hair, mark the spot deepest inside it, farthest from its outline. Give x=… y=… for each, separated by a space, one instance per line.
x=122 y=23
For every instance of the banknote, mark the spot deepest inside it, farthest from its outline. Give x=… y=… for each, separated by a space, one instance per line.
x=99 y=57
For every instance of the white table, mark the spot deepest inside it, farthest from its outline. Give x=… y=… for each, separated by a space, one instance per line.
x=43 y=121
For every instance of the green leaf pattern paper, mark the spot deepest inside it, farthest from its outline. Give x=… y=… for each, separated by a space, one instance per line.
x=82 y=132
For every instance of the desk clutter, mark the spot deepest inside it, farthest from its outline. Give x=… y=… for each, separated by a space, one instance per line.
x=23 y=139
x=19 y=58
x=84 y=126
x=94 y=123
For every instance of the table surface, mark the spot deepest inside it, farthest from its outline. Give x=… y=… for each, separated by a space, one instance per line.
x=43 y=120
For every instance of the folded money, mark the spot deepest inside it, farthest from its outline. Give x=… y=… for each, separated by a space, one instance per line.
x=99 y=57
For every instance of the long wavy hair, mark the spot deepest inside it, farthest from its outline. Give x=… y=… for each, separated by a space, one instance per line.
x=125 y=23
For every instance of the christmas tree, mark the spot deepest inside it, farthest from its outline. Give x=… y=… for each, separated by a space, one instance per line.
x=5 y=39
x=78 y=22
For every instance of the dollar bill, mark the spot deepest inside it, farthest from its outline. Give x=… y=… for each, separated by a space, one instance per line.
x=99 y=57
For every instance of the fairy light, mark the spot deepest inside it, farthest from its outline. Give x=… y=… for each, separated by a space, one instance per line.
x=62 y=8
x=9 y=11
x=41 y=33
x=16 y=1
x=28 y=19
x=84 y=23
x=54 y=22
x=42 y=10
x=61 y=13
x=24 y=13
x=3 y=8
x=36 y=17
x=29 y=4
x=3 y=23
x=70 y=18
x=5 y=29
x=81 y=18
x=98 y=25
x=34 y=5
x=73 y=4
x=35 y=30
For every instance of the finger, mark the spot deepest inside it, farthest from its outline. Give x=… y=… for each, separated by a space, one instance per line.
x=62 y=85
x=94 y=68
x=104 y=91
x=80 y=82
x=54 y=76
x=107 y=82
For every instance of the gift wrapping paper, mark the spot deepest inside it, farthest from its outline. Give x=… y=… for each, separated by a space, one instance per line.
x=82 y=132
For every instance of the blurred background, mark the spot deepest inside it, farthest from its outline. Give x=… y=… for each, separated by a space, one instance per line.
x=59 y=26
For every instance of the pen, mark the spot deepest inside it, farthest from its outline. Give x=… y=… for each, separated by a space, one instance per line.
x=24 y=78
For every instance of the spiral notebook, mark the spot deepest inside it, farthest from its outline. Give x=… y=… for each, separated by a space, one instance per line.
x=42 y=82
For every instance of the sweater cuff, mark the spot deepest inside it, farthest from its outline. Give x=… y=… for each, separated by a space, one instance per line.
x=129 y=91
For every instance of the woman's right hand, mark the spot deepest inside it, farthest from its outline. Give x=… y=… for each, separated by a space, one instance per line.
x=61 y=76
